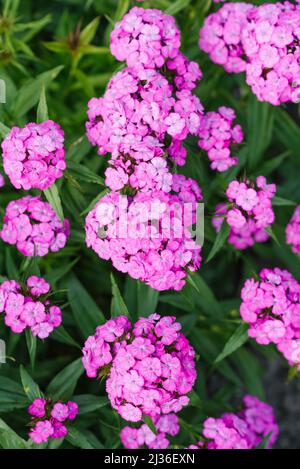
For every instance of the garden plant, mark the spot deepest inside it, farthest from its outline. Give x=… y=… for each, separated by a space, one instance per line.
x=149 y=223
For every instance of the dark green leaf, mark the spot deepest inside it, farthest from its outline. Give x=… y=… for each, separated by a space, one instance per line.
x=86 y=312
x=238 y=338
x=63 y=384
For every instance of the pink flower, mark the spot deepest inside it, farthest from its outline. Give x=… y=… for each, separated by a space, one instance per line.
x=40 y=148
x=34 y=227
x=235 y=218
x=37 y=408
x=24 y=310
x=270 y=307
x=60 y=412
x=130 y=412
x=148 y=375
x=41 y=432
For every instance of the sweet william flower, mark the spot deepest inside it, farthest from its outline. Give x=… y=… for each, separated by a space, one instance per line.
x=34 y=157
x=248 y=212
x=33 y=226
x=243 y=430
x=292 y=231
x=265 y=45
x=25 y=306
x=145 y=376
x=49 y=418
x=271 y=306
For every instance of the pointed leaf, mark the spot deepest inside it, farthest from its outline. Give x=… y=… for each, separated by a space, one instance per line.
x=238 y=338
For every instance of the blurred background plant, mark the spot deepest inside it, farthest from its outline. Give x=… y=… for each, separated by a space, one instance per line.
x=54 y=56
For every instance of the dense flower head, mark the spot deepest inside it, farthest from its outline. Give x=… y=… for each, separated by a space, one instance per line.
x=145 y=38
x=134 y=438
x=147 y=235
x=97 y=351
x=27 y=306
x=293 y=231
x=142 y=119
x=263 y=41
x=271 y=306
x=248 y=212
x=150 y=366
x=217 y=134
x=48 y=419
x=34 y=156
x=33 y=226
x=221 y=36
x=243 y=430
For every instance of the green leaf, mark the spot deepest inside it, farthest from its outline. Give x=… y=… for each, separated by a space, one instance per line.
x=31 y=346
x=83 y=439
x=272 y=235
x=31 y=388
x=147 y=299
x=88 y=33
x=148 y=421
x=287 y=131
x=11 y=395
x=29 y=94
x=118 y=306
x=61 y=335
x=64 y=383
x=42 y=110
x=260 y=129
x=205 y=296
x=4 y=130
x=281 y=202
x=53 y=198
x=250 y=370
x=89 y=403
x=10 y=439
x=264 y=442
x=83 y=173
x=238 y=338
x=220 y=240
x=177 y=6
x=94 y=201
x=86 y=312
x=123 y=6
x=56 y=274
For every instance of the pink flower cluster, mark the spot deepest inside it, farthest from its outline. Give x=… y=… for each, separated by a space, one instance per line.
x=248 y=213
x=148 y=236
x=2 y=181
x=244 y=430
x=145 y=38
x=134 y=438
x=148 y=108
x=221 y=36
x=34 y=156
x=150 y=366
x=271 y=305
x=217 y=134
x=33 y=226
x=263 y=41
x=141 y=120
x=49 y=419
x=28 y=306
x=293 y=231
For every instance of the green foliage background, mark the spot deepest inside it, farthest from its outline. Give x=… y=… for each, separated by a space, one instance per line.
x=60 y=49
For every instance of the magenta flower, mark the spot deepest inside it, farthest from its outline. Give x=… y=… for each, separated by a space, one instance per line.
x=34 y=157
x=23 y=306
x=147 y=375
